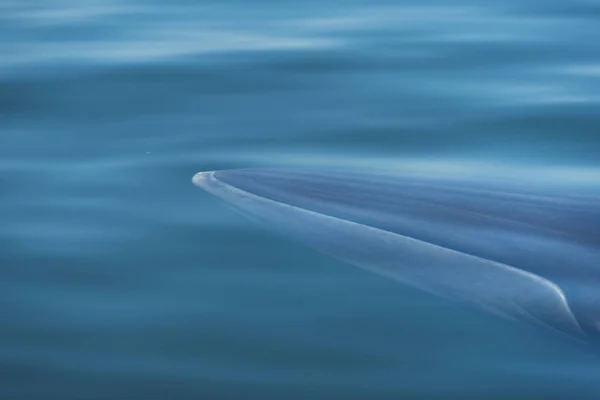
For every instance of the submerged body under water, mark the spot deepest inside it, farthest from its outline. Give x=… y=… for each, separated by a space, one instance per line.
x=120 y=280
x=528 y=252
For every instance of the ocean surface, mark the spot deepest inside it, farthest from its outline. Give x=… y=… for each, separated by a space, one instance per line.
x=121 y=280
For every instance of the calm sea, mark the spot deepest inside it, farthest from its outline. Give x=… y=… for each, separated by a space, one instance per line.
x=121 y=280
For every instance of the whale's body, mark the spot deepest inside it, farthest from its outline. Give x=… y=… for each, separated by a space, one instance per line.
x=528 y=252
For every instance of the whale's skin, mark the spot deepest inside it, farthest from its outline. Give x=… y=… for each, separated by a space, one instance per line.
x=528 y=252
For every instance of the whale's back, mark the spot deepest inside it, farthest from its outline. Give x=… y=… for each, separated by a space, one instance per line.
x=551 y=231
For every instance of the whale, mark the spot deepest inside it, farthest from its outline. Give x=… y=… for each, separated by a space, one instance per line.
x=527 y=250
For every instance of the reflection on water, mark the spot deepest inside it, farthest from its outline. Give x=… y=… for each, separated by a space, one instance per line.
x=121 y=280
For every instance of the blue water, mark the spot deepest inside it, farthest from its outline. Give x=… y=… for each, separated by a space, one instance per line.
x=121 y=280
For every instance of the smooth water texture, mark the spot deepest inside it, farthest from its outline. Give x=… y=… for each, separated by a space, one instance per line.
x=121 y=280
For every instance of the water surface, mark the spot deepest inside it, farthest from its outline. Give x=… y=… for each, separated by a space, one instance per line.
x=122 y=280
